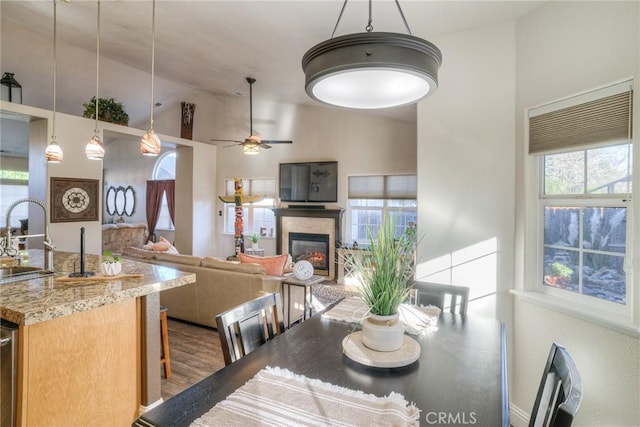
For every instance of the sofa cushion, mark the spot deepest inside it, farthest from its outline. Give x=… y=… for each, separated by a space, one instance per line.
x=274 y=265
x=179 y=259
x=212 y=262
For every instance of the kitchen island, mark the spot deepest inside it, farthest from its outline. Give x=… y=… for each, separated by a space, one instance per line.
x=88 y=351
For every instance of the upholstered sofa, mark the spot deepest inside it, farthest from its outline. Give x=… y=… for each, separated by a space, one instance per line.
x=116 y=237
x=220 y=285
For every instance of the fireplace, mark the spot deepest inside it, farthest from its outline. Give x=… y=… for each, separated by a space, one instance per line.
x=311 y=247
x=311 y=221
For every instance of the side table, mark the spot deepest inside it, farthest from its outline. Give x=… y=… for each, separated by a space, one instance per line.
x=306 y=285
x=256 y=252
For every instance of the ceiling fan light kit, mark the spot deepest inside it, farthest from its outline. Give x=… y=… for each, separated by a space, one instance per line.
x=252 y=144
x=371 y=70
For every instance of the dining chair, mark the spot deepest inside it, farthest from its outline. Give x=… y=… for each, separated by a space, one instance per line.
x=426 y=293
x=244 y=328
x=560 y=391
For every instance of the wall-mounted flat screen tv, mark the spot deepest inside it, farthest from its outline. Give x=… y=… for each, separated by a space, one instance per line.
x=309 y=182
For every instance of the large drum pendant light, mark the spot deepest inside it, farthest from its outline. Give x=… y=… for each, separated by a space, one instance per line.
x=371 y=70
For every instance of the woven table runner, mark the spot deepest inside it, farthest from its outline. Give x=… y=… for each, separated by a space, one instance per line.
x=417 y=320
x=278 y=397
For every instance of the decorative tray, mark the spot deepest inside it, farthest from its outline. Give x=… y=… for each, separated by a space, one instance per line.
x=355 y=350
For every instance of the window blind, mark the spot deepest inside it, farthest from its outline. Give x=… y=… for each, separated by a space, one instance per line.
x=383 y=187
x=254 y=187
x=601 y=115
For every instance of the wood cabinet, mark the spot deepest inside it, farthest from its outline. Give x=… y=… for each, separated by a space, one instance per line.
x=81 y=369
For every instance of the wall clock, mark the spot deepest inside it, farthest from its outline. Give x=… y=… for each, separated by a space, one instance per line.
x=74 y=199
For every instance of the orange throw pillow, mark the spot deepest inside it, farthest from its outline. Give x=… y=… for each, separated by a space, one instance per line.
x=274 y=265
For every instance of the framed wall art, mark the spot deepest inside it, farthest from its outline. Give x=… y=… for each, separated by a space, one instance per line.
x=74 y=199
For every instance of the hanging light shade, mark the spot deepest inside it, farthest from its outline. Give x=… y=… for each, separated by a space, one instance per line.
x=371 y=70
x=53 y=152
x=150 y=144
x=95 y=149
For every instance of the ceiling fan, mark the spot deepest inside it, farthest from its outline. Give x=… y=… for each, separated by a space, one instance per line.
x=253 y=143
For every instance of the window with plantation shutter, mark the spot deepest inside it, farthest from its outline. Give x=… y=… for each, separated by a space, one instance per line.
x=599 y=116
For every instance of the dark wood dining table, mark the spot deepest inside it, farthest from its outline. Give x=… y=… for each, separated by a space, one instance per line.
x=459 y=379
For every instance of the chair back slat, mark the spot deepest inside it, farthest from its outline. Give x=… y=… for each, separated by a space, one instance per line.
x=560 y=392
x=426 y=293
x=246 y=327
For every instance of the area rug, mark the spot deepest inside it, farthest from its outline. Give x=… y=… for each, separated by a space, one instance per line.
x=327 y=292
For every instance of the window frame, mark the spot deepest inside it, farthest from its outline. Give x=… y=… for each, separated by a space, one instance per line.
x=587 y=306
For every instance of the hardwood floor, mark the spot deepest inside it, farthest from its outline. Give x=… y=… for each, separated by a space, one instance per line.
x=195 y=353
x=195 y=350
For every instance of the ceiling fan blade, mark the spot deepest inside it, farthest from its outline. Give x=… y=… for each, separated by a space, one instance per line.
x=226 y=140
x=232 y=145
x=271 y=141
x=263 y=145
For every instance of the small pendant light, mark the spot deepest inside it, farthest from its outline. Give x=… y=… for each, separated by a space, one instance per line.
x=95 y=149
x=150 y=144
x=53 y=153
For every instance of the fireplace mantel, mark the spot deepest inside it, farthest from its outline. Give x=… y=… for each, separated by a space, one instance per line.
x=304 y=214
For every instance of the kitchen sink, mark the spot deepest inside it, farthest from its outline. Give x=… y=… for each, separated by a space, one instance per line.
x=22 y=272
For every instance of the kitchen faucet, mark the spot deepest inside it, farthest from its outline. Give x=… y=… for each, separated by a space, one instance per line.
x=8 y=249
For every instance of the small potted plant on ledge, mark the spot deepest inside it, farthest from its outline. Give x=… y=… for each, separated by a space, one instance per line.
x=111 y=265
x=109 y=110
x=254 y=241
x=385 y=272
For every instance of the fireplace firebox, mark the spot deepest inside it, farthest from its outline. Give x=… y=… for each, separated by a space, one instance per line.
x=311 y=247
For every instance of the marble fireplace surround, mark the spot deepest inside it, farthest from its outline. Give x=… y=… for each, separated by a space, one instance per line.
x=316 y=221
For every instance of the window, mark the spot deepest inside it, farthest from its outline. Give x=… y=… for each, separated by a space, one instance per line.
x=370 y=197
x=258 y=217
x=14 y=185
x=585 y=221
x=585 y=167
x=165 y=168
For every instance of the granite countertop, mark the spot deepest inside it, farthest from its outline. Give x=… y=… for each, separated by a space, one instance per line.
x=37 y=300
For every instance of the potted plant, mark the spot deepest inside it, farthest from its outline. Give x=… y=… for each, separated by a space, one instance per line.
x=560 y=275
x=111 y=265
x=108 y=111
x=254 y=241
x=385 y=271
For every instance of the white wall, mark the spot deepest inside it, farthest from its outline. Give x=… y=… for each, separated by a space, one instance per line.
x=564 y=48
x=466 y=170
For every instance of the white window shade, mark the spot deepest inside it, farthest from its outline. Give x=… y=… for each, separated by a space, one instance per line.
x=254 y=187
x=383 y=187
x=602 y=115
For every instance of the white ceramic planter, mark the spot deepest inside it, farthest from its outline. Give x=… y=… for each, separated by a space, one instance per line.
x=255 y=246
x=111 y=268
x=382 y=333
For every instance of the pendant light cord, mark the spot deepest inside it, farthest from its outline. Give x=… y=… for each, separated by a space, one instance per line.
x=55 y=20
x=153 y=58
x=369 y=27
x=97 y=69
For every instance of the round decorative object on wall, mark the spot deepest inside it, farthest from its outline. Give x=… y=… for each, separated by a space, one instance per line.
x=303 y=270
